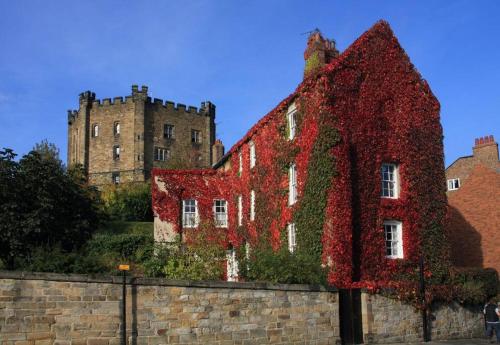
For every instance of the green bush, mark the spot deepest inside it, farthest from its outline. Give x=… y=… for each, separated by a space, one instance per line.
x=475 y=285
x=128 y=202
x=282 y=267
x=202 y=258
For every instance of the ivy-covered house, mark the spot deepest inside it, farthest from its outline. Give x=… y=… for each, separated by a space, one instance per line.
x=348 y=168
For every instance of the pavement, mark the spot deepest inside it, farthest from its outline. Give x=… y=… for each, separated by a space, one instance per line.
x=481 y=341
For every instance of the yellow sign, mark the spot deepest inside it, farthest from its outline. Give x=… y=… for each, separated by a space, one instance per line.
x=124 y=267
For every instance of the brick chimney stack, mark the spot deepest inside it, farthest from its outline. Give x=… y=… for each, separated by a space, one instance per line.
x=319 y=52
x=217 y=151
x=486 y=149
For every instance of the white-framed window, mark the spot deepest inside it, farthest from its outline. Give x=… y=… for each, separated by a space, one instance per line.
x=189 y=213
x=252 y=205
x=116 y=152
x=116 y=128
x=115 y=177
x=292 y=237
x=95 y=130
x=453 y=184
x=232 y=265
x=292 y=125
x=251 y=146
x=240 y=158
x=393 y=233
x=168 y=131
x=161 y=154
x=292 y=184
x=195 y=136
x=220 y=213
x=240 y=210
x=390 y=181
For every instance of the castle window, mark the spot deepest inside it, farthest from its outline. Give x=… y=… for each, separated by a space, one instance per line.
x=161 y=154
x=168 y=131
x=115 y=177
x=453 y=184
x=195 y=136
x=292 y=184
x=292 y=237
x=240 y=210
x=251 y=146
x=189 y=213
x=390 y=181
x=232 y=265
x=116 y=152
x=220 y=213
x=116 y=128
x=393 y=232
x=95 y=131
x=252 y=205
x=292 y=126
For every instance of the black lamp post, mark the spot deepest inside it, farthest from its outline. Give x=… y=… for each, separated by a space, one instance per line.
x=124 y=269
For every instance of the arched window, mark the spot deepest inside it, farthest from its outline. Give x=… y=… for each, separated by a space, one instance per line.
x=95 y=130
x=117 y=128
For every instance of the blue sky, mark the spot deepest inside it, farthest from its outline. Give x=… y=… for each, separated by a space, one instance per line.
x=244 y=56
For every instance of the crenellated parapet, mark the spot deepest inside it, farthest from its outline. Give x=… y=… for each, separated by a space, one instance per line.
x=72 y=116
x=206 y=108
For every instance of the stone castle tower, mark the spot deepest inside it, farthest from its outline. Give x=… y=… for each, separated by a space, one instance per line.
x=121 y=140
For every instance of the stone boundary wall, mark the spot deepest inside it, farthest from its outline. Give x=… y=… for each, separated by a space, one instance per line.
x=387 y=320
x=58 y=309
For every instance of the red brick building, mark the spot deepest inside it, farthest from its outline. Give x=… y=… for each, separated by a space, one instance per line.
x=474 y=200
x=349 y=166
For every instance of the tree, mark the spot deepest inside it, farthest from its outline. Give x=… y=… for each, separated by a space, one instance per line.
x=43 y=205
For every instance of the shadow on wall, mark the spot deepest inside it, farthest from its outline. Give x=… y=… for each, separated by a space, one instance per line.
x=465 y=240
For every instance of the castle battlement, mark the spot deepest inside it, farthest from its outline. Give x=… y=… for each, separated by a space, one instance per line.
x=206 y=108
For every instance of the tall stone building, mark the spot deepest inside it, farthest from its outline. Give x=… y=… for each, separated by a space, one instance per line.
x=121 y=140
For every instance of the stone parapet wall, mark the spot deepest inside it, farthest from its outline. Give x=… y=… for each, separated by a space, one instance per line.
x=386 y=320
x=43 y=309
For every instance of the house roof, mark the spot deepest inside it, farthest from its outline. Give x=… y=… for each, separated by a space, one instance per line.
x=380 y=28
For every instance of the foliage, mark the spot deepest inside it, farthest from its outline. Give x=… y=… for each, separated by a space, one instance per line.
x=128 y=202
x=201 y=259
x=313 y=64
x=475 y=285
x=265 y=264
x=48 y=151
x=42 y=205
x=367 y=107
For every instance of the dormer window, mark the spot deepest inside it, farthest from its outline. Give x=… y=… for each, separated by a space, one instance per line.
x=95 y=131
x=390 y=181
x=453 y=184
x=116 y=128
x=292 y=111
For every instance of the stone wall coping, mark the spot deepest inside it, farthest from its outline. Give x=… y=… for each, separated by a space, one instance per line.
x=108 y=279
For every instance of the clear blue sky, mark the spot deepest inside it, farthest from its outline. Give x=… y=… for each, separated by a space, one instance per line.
x=245 y=56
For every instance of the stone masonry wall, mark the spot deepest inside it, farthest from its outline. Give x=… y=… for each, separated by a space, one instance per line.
x=386 y=320
x=43 y=309
x=142 y=123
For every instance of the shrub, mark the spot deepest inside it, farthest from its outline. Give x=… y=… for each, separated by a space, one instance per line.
x=475 y=285
x=128 y=202
x=282 y=267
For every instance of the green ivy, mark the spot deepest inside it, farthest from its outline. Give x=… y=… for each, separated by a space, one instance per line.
x=310 y=216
